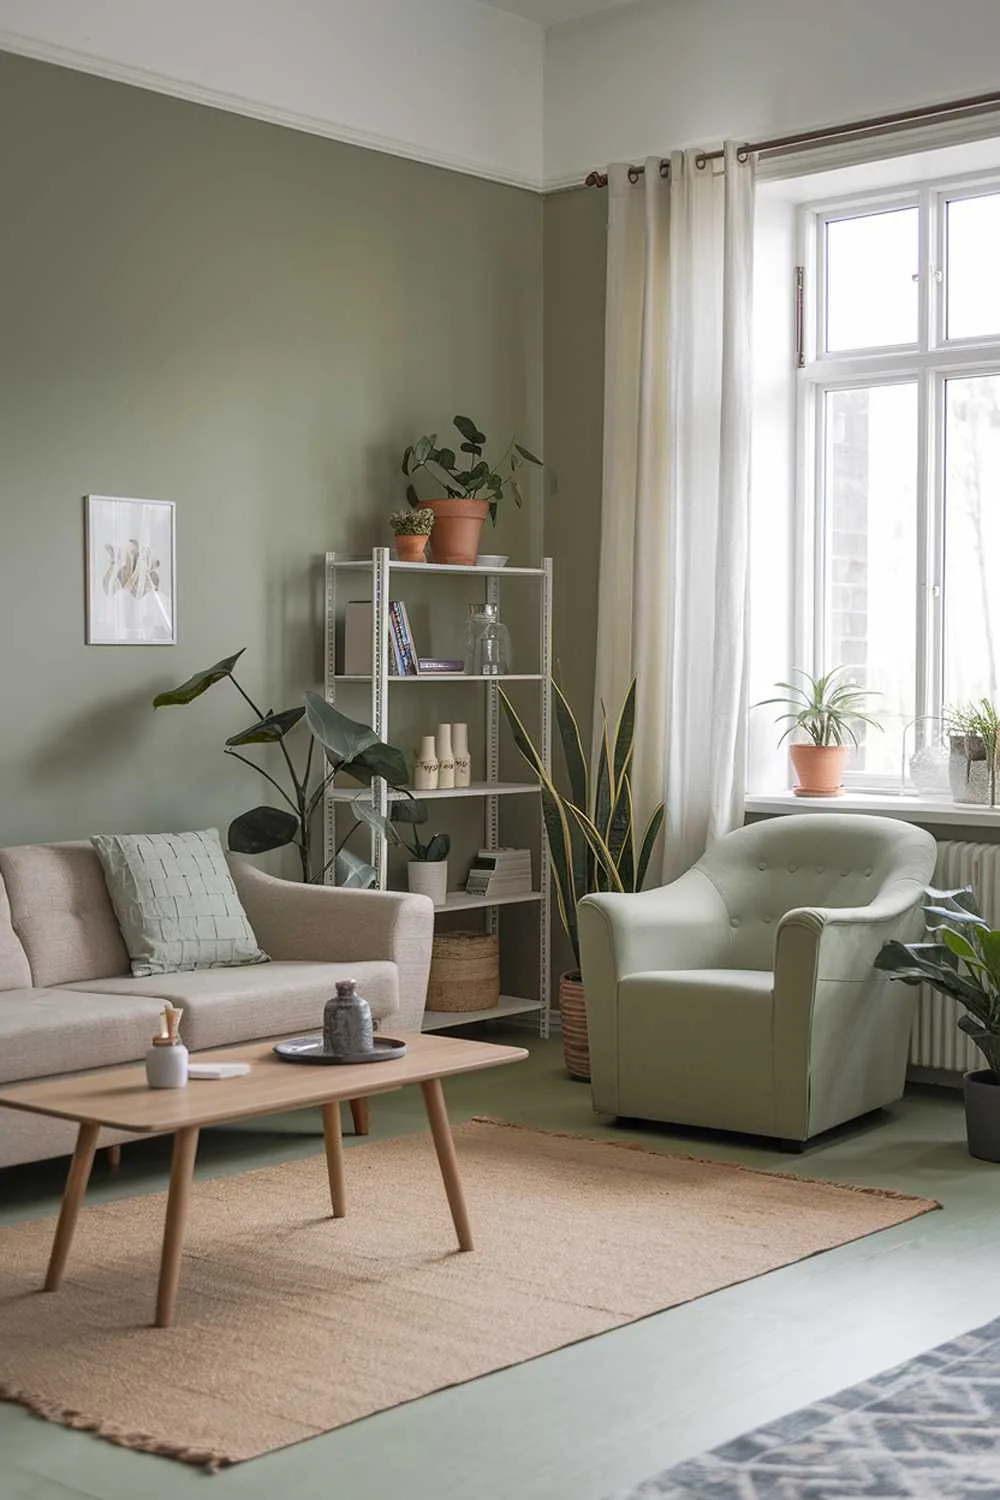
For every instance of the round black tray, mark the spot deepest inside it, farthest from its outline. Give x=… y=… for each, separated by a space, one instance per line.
x=309 y=1049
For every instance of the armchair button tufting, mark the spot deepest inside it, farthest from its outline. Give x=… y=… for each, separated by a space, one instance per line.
x=868 y=870
x=792 y=869
x=820 y=869
x=762 y=866
x=844 y=874
x=768 y=920
x=734 y=921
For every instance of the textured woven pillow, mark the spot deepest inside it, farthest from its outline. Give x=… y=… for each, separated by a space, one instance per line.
x=176 y=902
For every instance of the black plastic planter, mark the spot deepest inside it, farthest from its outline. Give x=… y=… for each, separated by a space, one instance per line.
x=982 y=1114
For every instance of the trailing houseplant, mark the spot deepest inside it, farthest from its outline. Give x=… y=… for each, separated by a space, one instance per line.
x=962 y=961
x=411 y=528
x=473 y=487
x=591 y=835
x=973 y=731
x=345 y=746
x=427 y=871
x=826 y=711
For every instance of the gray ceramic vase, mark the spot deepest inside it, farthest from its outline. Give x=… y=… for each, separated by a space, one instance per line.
x=347 y=1022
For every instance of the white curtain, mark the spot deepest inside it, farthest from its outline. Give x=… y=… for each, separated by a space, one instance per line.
x=674 y=529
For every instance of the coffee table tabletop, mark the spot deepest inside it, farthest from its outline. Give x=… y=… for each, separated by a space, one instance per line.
x=120 y=1097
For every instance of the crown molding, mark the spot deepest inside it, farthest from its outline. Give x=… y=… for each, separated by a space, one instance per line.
x=256 y=109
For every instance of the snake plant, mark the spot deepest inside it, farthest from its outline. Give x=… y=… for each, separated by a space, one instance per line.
x=591 y=831
x=963 y=962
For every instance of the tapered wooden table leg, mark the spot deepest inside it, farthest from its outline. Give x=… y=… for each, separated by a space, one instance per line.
x=335 y=1158
x=181 y=1174
x=359 y=1114
x=76 y=1186
x=444 y=1145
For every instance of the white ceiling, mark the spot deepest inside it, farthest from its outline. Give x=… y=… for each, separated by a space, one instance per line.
x=551 y=12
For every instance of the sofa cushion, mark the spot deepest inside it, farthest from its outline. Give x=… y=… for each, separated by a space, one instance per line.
x=50 y=1031
x=61 y=912
x=15 y=972
x=175 y=901
x=223 y=1006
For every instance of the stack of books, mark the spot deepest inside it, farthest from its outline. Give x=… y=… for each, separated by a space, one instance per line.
x=358 y=640
x=500 y=872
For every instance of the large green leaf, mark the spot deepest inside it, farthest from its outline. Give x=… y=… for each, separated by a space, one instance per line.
x=607 y=869
x=342 y=739
x=603 y=791
x=353 y=873
x=528 y=455
x=437 y=848
x=372 y=818
x=380 y=759
x=409 y=810
x=199 y=683
x=624 y=736
x=269 y=730
x=621 y=835
x=646 y=847
x=558 y=834
x=261 y=829
x=572 y=745
x=470 y=431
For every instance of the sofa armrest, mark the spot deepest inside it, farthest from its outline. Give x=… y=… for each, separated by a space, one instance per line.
x=848 y=938
x=329 y=925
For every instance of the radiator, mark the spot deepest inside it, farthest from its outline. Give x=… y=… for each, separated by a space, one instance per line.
x=936 y=1041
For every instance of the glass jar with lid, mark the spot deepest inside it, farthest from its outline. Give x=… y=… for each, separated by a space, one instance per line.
x=487 y=652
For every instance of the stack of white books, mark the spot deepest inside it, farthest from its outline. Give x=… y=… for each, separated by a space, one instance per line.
x=500 y=872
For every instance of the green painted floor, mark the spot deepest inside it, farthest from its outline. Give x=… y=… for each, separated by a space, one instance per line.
x=604 y=1414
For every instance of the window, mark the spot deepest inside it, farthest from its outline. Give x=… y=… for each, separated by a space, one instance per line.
x=899 y=393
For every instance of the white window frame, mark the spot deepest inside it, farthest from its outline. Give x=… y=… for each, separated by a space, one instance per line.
x=929 y=362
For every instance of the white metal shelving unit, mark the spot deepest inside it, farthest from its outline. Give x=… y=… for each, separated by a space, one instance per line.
x=380 y=567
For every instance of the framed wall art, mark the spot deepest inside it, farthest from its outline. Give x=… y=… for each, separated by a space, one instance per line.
x=131 y=595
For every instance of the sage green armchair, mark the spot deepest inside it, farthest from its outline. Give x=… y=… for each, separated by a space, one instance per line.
x=742 y=996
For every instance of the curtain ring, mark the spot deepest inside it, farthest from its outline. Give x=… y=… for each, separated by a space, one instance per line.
x=743 y=155
x=665 y=168
x=701 y=161
x=634 y=174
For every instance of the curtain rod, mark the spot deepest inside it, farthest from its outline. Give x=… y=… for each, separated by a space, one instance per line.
x=974 y=104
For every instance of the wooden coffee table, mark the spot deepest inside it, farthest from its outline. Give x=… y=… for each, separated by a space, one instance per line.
x=121 y=1099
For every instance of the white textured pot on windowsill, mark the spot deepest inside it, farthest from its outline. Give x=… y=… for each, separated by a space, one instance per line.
x=429 y=877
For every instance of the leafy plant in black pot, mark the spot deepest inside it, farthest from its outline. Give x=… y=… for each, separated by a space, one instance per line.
x=345 y=746
x=962 y=961
x=427 y=872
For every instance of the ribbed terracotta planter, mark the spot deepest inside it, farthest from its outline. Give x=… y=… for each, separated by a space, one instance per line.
x=457 y=524
x=573 y=1018
x=820 y=769
x=410 y=548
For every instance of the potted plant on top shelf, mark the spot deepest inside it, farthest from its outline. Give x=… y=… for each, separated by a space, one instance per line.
x=827 y=711
x=592 y=840
x=411 y=528
x=964 y=962
x=974 y=744
x=473 y=488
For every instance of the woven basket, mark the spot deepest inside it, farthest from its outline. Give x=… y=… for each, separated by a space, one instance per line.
x=465 y=971
x=573 y=1019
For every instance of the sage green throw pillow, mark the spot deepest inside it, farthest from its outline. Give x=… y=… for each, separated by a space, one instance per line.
x=176 y=902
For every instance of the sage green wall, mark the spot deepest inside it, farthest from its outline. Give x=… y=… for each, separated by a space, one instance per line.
x=574 y=266
x=248 y=321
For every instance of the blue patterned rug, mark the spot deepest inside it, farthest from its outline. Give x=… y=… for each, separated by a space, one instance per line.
x=929 y=1428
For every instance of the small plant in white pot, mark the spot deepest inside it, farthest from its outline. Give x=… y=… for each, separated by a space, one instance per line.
x=962 y=961
x=974 y=746
x=826 y=711
x=427 y=871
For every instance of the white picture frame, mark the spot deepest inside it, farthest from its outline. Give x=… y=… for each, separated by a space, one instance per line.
x=131 y=571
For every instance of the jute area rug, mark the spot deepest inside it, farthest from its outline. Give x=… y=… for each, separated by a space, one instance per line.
x=290 y=1323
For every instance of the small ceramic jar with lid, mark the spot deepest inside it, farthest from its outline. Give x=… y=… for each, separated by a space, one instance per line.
x=167 y=1058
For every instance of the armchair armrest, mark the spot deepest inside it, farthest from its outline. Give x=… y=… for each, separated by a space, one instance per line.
x=848 y=938
x=329 y=925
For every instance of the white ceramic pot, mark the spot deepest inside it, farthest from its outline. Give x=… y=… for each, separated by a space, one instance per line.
x=446 y=757
x=460 y=750
x=166 y=1066
x=428 y=877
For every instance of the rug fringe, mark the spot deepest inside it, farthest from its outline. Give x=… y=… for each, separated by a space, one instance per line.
x=141 y=1442
x=708 y=1161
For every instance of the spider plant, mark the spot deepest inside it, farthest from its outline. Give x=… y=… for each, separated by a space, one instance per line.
x=972 y=723
x=825 y=709
x=591 y=831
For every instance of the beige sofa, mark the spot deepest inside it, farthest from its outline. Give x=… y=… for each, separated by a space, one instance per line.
x=68 y=1000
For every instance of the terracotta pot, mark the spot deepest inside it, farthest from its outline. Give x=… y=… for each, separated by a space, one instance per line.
x=457 y=524
x=573 y=1017
x=820 y=769
x=410 y=548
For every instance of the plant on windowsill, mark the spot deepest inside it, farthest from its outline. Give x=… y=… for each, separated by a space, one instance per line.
x=827 y=711
x=974 y=745
x=473 y=488
x=345 y=745
x=963 y=961
x=427 y=871
x=592 y=839
x=411 y=528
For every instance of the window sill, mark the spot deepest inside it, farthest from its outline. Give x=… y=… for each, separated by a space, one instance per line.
x=911 y=808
